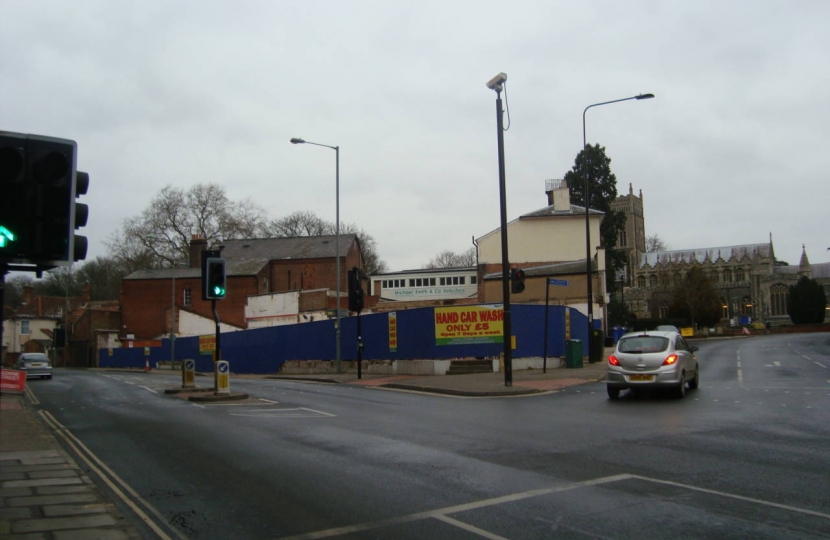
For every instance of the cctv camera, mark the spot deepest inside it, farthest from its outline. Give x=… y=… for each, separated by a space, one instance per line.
x=496 y=82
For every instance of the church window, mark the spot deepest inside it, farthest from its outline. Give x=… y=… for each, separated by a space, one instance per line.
x=724 y=308
x=623 y=238
x=778 y=299
x=727 y=276
x=641 y=281
x=746 y=306
x=652 y=280
x=739 y=275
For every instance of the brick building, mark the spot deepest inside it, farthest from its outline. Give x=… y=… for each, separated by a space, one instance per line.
x=153 y=299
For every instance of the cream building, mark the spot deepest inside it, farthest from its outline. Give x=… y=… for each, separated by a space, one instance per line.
x=548 y=243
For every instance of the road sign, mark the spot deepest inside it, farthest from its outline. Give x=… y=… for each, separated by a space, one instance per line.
x=189 y=375
x=223 y=377
x=559 y=282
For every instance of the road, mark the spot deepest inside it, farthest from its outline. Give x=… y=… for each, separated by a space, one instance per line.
x=744 y=456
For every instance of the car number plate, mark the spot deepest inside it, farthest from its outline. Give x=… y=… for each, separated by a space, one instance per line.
x=641 y=377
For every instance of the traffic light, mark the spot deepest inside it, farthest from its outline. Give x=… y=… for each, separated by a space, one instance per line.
x=355 y=290
x=38 y=213
x=517 y=280
x=215 y=279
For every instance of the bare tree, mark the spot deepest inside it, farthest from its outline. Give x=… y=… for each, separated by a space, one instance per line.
x=306 y=223
x=301 y=223
x=654 y=244
x=450 y=259
x=160 y=236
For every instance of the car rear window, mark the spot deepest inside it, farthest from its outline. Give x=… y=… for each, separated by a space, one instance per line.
x=643 y=344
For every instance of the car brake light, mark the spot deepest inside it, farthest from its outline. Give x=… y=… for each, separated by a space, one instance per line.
x=670 y=359
x=613 y=360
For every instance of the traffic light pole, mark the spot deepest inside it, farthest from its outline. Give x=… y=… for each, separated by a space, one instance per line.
x=359 y=348
x=218 y=352
x=3 y=271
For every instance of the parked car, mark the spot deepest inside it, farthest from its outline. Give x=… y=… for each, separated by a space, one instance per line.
x=652 y=359
x=35 y=365
x=668 y=328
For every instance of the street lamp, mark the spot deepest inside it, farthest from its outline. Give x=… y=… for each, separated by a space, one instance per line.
x=297 y=140
x=587 y=206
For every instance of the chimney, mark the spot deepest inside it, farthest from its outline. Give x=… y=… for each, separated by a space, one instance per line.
x=27 y=294
x=197 y=245
x=86 y=295
x=559 y=196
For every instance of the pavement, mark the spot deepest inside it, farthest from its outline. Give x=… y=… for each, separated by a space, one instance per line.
x=46 y=495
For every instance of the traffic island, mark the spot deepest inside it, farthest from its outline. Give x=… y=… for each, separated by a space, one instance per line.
x=187 y=390
x=212 y=398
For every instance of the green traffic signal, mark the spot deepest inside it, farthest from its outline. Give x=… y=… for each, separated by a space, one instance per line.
x=6 y=236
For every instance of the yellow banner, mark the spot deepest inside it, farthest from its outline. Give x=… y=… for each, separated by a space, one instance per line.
x=207 y=344
x=462 y=325
x=393 y=332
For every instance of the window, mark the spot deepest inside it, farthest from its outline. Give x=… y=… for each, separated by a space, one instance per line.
x=724 y=309
x=746 y=306
x=443 y=281
x=778 y=299
x=462 y=280
x=411 y=282
x=473 y=280
x=623 y=238
x=739 y=275
x=641 y=281
x=652 y=280
x=187 y=296
x=715 y=276
x=432 y=282
x=664 y=311
x=727 y=276
x=24 y=328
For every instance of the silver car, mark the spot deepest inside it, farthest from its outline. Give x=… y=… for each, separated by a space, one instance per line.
x=652 y=359
x=35 y=365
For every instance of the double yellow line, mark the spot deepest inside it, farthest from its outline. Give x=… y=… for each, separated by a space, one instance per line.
x=118 y=486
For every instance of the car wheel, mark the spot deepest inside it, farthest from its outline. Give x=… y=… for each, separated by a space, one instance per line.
x=680 y=391
x=49 y=377
x=613 y=393
x=694 y=383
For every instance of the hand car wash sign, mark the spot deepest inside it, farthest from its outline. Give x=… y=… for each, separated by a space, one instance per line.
x=469 y=324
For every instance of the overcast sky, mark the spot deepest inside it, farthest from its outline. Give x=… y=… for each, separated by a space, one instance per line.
x=156 y=93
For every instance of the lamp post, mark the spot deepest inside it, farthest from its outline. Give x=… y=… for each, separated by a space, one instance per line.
x=587 y=207
x=297 y=140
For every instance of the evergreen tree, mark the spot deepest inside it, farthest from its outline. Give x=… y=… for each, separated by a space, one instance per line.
x=807 y=302
x=593 y=161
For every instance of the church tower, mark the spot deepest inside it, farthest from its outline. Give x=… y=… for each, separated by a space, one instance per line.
x=632 y=239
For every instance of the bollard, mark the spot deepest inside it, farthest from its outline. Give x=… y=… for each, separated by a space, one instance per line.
x=223 y=377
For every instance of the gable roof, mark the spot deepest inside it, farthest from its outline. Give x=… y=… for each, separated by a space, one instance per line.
x=248 y=257
x=574 y=210
x=45 y=307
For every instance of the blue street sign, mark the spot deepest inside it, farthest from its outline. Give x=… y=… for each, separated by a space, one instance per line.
x=559 y=282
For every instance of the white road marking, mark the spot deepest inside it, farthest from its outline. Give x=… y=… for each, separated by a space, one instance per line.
x=740 y=371
x=821 y=365
x=443 y=514
x=469 y=528
x=733 y=496
x=776 y=364
x=295 y=412
x=149 y=389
